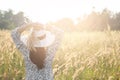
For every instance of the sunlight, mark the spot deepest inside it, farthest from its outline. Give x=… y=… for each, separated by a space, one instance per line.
x=55 y=11
x=76 y=40
x=52 y=10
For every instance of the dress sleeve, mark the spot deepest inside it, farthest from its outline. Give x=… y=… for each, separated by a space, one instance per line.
x=19 y=44
x=58 y=38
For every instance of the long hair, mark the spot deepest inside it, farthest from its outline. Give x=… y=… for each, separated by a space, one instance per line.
x=37 y=54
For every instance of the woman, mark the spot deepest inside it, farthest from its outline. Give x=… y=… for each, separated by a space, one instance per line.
x=38 y=49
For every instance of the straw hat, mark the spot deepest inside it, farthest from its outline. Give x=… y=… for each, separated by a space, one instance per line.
x=45 y=38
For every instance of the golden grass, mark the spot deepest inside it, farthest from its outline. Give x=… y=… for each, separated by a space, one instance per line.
x=81 y=56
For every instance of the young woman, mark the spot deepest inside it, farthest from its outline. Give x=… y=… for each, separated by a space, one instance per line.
x=38 y=49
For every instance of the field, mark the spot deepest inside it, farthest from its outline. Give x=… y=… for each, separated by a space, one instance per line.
x=81 y=56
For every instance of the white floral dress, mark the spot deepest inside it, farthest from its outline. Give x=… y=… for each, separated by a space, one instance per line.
x=32 y=73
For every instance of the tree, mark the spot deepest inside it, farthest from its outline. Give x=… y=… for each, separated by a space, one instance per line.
x=66 y=24
x=8 y=20
x=115 y=22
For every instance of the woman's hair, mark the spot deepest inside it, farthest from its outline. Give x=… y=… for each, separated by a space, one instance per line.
x=37 y=54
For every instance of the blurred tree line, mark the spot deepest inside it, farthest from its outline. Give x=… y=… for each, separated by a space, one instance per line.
x=95 y=21
x=9 y=20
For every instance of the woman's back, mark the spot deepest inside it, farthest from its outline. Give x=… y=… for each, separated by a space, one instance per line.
x=32 y=72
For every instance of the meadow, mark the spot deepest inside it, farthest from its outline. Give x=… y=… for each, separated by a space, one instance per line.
x=81 y=56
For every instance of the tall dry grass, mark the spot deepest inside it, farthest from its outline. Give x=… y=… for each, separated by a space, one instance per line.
x=81 y=56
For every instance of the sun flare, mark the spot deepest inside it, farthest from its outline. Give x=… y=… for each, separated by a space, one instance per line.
x=52 y=10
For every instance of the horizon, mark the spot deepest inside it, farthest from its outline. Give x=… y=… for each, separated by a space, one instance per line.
x=50 y=11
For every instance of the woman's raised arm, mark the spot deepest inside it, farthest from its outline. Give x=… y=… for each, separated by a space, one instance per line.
x=58 y=38
x=15 y=34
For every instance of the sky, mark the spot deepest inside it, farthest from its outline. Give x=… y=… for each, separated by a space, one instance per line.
x=51 y=10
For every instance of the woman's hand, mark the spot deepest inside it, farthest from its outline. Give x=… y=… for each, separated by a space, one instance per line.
x=36 y=26
x=24 y=27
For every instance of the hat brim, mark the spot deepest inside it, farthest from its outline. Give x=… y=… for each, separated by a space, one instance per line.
x=47 y=41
